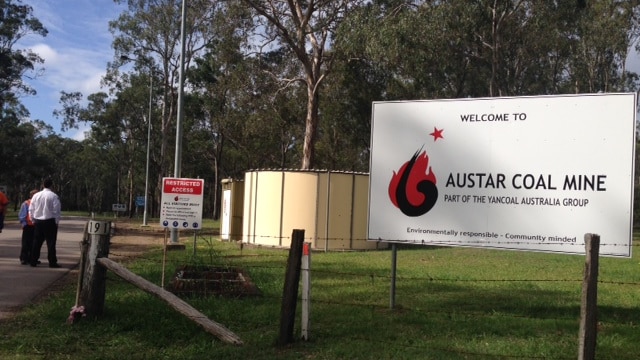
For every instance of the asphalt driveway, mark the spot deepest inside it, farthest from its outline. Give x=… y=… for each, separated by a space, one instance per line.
x=21 y=284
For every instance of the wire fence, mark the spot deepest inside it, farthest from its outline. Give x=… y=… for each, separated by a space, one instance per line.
x=456 y=298
x=577 y=244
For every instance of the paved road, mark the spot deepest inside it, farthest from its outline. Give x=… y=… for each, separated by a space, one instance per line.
x=20 y=284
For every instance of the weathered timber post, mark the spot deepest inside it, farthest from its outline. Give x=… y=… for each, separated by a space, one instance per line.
x=589 y=304
x=290 y=291
x=94 y=277
x=84 y=245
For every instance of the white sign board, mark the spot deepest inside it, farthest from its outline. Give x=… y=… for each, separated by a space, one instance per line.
x=522 y=173
x=181 y=206
x=119 y=207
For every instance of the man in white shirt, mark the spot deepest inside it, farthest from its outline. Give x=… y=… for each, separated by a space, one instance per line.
x=45 y=213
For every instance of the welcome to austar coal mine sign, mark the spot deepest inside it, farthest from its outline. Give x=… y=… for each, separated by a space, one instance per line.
x=520 y=173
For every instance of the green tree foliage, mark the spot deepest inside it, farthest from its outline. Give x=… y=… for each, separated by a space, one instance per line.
x=16 y=21
x=606 y=31
x=59 y=168
x=345 y=132
x=119 y=131
x=19 y=165
x=451 y=49
x=96 y=176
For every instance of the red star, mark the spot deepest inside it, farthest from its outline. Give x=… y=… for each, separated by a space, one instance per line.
x=437 y=134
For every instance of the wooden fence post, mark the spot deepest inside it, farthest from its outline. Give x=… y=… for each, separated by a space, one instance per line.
x=589 y=304
x=290 y=291
x=84 y=245
x=94 y=277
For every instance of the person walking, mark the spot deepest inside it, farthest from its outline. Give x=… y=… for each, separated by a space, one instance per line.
x=28 y=230
x=4 y=202
x=45 y=210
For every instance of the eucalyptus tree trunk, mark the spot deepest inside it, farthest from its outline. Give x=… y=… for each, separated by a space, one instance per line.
x=304 y=27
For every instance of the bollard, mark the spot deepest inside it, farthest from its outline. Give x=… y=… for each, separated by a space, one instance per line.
x=306 y=289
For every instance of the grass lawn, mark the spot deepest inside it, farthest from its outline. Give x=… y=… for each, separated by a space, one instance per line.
x=451 y=303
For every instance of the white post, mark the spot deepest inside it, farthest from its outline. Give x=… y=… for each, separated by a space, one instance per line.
x=306 y=288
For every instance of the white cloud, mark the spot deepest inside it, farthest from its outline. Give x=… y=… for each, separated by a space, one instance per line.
x=75 y=51
x=80 y=133
x=71 y=69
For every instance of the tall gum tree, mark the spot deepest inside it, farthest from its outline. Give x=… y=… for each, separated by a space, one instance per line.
x=306 y=29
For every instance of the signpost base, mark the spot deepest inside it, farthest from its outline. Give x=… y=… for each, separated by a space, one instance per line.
x=173 y=246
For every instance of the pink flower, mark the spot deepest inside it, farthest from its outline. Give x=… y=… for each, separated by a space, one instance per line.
x=76 y=312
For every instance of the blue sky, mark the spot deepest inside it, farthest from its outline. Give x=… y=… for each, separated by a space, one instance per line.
x=76 y=52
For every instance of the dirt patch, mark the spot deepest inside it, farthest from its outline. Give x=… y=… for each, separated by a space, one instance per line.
x=126 y=246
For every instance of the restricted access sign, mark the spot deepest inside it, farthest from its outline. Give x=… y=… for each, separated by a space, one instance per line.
x=181 y=206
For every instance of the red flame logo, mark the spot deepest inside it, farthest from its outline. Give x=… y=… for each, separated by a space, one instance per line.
x=413 y=188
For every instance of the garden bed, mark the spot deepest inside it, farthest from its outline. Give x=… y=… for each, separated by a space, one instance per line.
x=191 y=280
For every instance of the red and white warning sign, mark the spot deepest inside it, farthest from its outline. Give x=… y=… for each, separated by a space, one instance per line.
x=181 y=204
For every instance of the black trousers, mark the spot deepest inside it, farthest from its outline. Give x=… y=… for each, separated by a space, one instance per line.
x=28 y=232
x=45 y=230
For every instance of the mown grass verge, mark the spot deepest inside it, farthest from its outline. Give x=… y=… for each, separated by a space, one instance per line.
x=452 y=303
